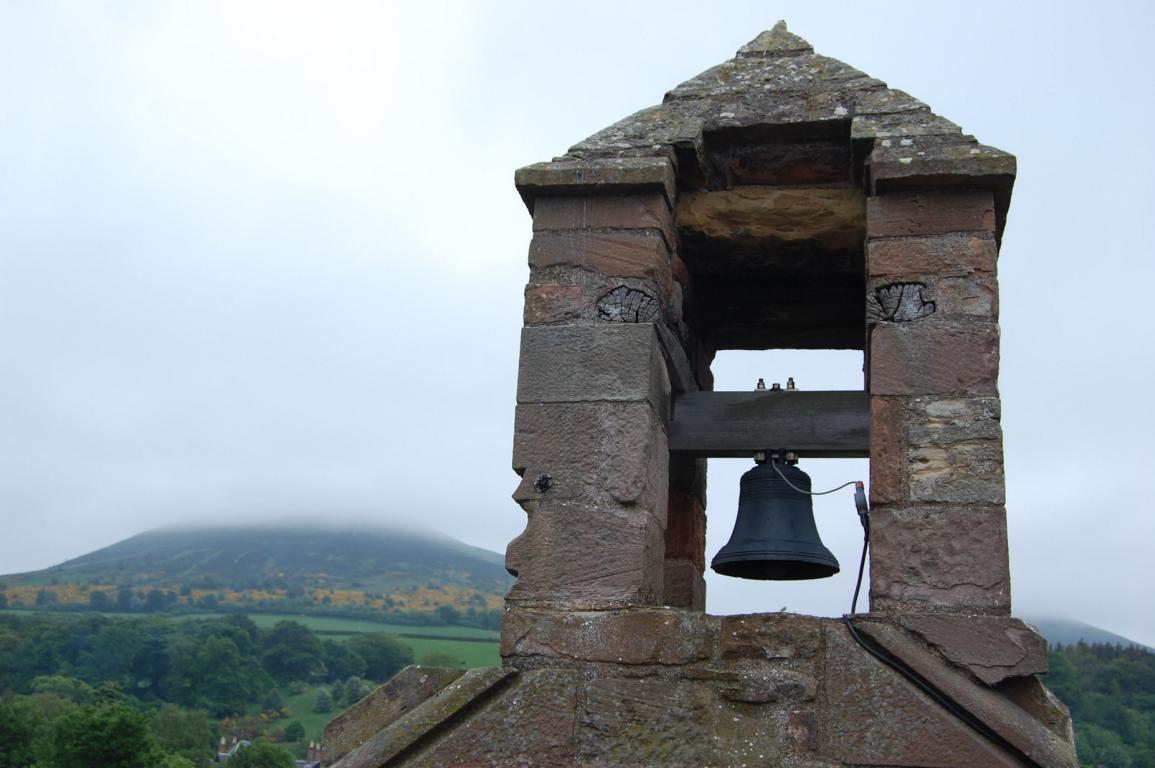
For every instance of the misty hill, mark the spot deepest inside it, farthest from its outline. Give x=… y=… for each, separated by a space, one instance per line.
x=352 y=570
x=1070 y=632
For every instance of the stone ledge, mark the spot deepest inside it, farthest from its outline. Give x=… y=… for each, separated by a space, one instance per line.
x=915 y=160
x=404 y=691
x=401 y=734
x=585 y=177
x=636 y=636
x=992 y=649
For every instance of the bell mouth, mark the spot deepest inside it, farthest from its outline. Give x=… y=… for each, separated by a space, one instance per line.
x=775 y=570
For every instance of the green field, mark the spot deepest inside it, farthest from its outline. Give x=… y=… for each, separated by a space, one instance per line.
x=301 y=707
x=472 y=647
x=326 y=625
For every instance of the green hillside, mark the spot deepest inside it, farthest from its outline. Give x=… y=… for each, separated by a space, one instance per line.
x=369 y=572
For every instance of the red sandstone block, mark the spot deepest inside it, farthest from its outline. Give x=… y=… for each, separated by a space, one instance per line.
x=930 y=357
x=946 y=298
x=774 y=636
x=936 y=558
x=646 y=211
x=614 y=254
x=645 y=636
x=594 y=556
x=967 y=297
x=601 y=453
x=954 y=254
x=552 y=303
x=686 y=529
x=930 y=213
x=683 y=586
x=887 y=451
x=593 y=363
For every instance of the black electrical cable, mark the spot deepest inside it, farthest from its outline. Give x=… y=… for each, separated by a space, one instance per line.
x=864 y=518
x=810 y=493
x=915 y=678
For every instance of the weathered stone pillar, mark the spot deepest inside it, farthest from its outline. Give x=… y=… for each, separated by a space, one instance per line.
x=685 y=586
x=593 y=396
x=939 y=540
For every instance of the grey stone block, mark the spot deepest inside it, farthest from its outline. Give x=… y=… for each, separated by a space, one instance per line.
x=586 y=363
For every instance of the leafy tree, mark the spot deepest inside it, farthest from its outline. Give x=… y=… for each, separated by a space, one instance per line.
x=261 y=754
x=154 y=601
x=222 y=681
x=273 y=701
x=109 y=692
x=323 y=703
x=448 y=614
x=16 y=736
x=111 y=737
x=76 y=691
x=384 y=654
x=210 y=602
x=354 y=690
x=107 y=652
x=126 y=599
x=294 y=731
x=45 y=598
x=290 y=651
x=98 y=600
x=43 y=710
x=173 y=760
x=341 y=661
x=184 y=732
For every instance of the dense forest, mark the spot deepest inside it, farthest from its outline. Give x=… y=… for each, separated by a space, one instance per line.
x=1110 y=690
x=77 y=691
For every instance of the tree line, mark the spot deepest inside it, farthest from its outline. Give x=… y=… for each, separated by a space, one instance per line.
x=1110 y=691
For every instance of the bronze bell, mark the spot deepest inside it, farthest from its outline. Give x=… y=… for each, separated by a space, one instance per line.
x=774 y=536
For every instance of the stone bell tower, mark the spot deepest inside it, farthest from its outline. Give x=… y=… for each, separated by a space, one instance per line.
x=779 y=200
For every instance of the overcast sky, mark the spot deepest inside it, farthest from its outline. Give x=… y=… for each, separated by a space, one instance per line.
x=265 y=259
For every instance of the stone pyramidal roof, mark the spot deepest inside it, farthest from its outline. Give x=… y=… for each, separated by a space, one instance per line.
x=777 y=80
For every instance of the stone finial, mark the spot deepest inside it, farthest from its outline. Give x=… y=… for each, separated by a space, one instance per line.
x=775 y=42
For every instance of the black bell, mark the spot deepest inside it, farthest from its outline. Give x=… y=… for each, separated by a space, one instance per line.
x=774 y=536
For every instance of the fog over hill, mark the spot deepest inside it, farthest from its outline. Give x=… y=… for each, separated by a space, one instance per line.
x=302 y=555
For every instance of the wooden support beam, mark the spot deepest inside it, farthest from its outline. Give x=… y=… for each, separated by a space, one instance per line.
x=736 y=424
